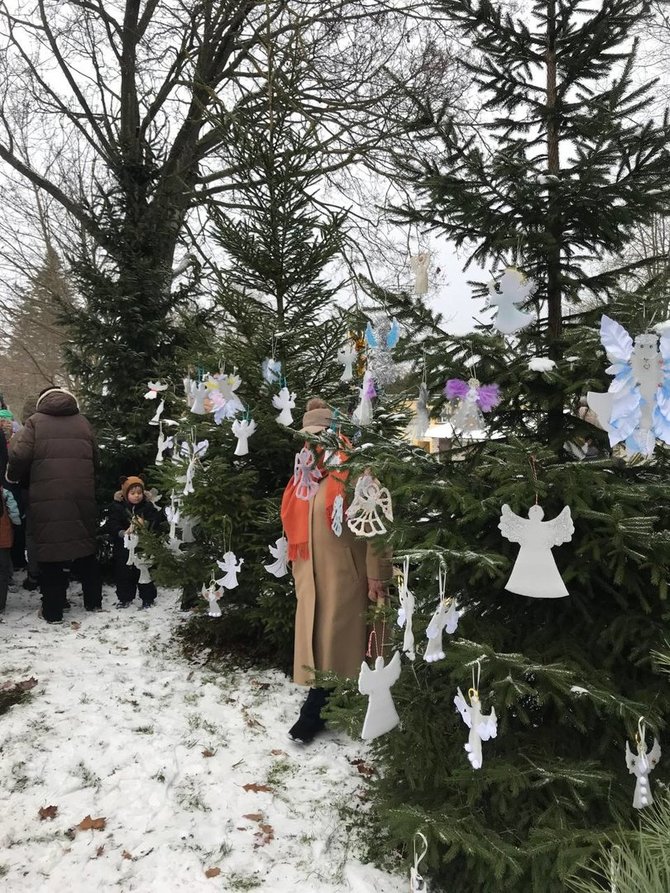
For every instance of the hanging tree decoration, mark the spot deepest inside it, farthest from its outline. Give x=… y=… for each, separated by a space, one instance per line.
x=285 y=402
x=279 y=567
x=347 y=355
x=381 y=715
x=143 y=563
x=193 y=452
x=511 y=289
x=482 y=728
x=271 y=370
x=406 y=611
x=243 y=429
x=231 y=568
x=155 y=387
x=445 y=617
x=421 y=414
x=472 y=399
x=381 y=340
x=155 y=420
x=162 y=444
x=199 y=396
x=419 y=264
x=172 y=515
x=225 y=402
x=190 y=386
x=306 y=475
x=337 y=515
x=186 y=526
x=363 y=414
x=370 y=498
x=416 y=882
x=212 y=594
x=636 y=407
x=130 y=541
x=641 y=764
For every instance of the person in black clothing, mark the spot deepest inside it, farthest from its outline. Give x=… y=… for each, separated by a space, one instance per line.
x=130 y=511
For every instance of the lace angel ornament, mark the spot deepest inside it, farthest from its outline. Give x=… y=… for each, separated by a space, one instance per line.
x=381 y=715
x=535 y=573
x=511 y=289
x=406 y=612
x=212 y=594
x=347 y=355
x=641 y=764
x=472 y=399
x=231 y=568
x=306 y=475
x=419 y=264
x=370 y=498
x=636 y=407
x=243 y=429
x=285 y=402
x=482 y=728
x=279 y=567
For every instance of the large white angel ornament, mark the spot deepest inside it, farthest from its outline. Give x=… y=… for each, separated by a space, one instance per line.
x=306 y=475
x=535 y=573
x=381 y=715
x=285 y=402
x=370 y=498
x=231 y=568
x=641 y=764
x=243 y=429
x=279 y=567
x=511 y=289
x=347 y=355
x=162 y=444
x=199 y=395
x=419 y=264
x=636 y=407
x=482 y=728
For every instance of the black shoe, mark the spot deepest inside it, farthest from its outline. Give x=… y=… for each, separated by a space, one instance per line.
x=31 y=583
x=97 y=608
x=66 y=605
x=122 y=605
x=145 y=605
x=305 y=730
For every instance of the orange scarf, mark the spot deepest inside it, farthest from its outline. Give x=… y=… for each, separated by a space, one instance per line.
x=295 y=512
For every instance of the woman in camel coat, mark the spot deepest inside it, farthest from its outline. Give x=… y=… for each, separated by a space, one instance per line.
x=336 y=579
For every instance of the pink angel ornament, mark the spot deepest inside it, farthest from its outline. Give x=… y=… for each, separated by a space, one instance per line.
x=472 y=399
x=381 y=715
x=306 y=475
x=535 y=573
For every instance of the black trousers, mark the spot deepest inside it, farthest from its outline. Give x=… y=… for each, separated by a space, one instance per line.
x=53 y=584
x=126 y=577
x=5 y=576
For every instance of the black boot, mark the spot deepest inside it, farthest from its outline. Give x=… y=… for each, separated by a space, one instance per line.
x=310 y=723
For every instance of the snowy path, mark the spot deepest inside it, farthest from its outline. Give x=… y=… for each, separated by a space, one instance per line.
x=121 y=727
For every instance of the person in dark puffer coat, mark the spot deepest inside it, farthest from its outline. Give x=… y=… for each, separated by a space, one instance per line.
x=56 y=452
x=130 y=511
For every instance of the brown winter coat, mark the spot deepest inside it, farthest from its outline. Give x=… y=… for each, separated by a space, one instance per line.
x=55 y=452
x=332 y=597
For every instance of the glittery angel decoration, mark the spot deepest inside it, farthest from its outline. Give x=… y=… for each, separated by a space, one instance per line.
x=130 y=541
x=231 y=568
x=370 y=498
x=363 y=415
x=212 y=594
x=285 y=402
x=535 y=573
x=636 y=407
x=199 y=396
x=406 y=612
x=337 y=515
x=243 y=429
x=194 y=452
x=381 y=715
x=482 y=728
x=421 y=415
x=155 y=387
x=279 y=567
x=511 y=289
x=162 y=445
x=419 y=264
x=347 y=355
x=381 y=340
x=306 y=475
x=271 y=370
x=472 y=399
x=641 y=764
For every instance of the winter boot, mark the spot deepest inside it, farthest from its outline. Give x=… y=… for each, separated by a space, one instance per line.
x=310 y=722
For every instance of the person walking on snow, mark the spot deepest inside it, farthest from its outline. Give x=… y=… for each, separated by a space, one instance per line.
x=130 y=511
x=55 y=453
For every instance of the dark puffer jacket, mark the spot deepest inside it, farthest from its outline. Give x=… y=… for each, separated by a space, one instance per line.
x=55 y=451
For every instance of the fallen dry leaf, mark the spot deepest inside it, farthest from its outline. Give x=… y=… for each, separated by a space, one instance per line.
x=213 y=872
x=89 y=824
x=47 y=812
x=254 y=816
x=363 y=767
x=207 y=752
x=126 y=855
x=278 y=753
x=23 y=685
x=264 y=835
x=257 y=788
x=75 y=624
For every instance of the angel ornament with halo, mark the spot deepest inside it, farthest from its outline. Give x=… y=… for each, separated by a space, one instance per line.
x=472 y=399
x=482 y=728
x=641 y=764
x=535 y=573
x=370 y=499
x=212 y=594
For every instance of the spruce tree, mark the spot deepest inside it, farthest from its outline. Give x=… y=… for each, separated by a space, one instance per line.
x=566 y=167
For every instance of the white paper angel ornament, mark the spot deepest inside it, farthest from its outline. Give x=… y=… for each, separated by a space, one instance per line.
x=271 y=370
x=363 y=414
x=370 y=499
x=186 y=526
x=511 y=289
x=482 y=728
x=306 y=475
x=172 y=515
x=419 y=264
x=199 y=396
x=130 y=541
x=231 y=568
x=381 y=715
x=347 y=355
x=143 y=563
x=243 y=429
x=279 y=567
x=445 y=618
x=162 y=445
x=535 y=573
x=337 y=515
x=194 y=452
x=641 y=764
x=285 y=402
x=155 y=420
x=155 y=387
x=406 y=612
x=212 y=594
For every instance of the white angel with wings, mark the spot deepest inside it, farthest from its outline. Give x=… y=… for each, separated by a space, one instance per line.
x=381 y=715
x=636 y=407
x=641 y=764
x=481 y=727
x=535 y=573
x=279 y=567
x=511 y=289
x=363 y=515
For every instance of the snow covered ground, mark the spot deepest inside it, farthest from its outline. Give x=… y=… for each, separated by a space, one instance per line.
x=187 y=770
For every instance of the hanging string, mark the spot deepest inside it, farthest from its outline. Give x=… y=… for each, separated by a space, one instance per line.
x=371 y=637
x=474 y=691
x=641 y=734
x=533 y=468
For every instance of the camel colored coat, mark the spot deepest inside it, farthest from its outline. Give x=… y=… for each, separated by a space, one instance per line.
x=332 y=597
